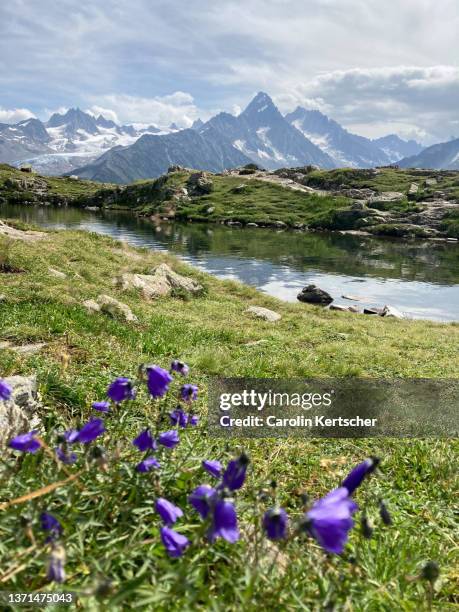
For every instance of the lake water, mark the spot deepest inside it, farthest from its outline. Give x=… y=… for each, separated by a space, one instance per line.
x=420 y=278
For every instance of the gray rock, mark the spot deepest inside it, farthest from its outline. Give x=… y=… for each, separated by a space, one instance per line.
x=15 y=234
x=390 y=311
x=264 y=313
x=314 y=295
x=57 y=273
x=413 y=190
x=387 y=196
x=373 y=311
x=23 y=349
x=430 y=182
x=200 y=183
x=116 y=309
x=159 y=284
x=20 y=413
x=91 y=306
x=342 y=308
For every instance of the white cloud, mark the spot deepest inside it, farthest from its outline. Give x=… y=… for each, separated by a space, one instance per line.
x=413 y=99
x=348 y=58
x=107 y=113
x=14 y=115
x=178 y=107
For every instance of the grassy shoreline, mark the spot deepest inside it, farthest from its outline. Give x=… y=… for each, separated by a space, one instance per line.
x=215 y=336
x=242 y=199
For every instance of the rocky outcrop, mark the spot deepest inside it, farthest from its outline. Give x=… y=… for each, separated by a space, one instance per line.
x=200 y=183
x=19 y=414
x=16 y=234
x=264 y=313
x=161 y=283
x=314 y=295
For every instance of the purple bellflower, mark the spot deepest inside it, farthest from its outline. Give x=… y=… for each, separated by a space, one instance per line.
x=175 y=543
x=178 y=417
x=158 y=380
x=235 y=473
x=71 y=435
x=64 y=456
x=26 y=443
x=180 y=367
x=169 y=439
x=55 y=571
x=167 y=511
x=213 y=467
x=189 y=393
x=203 y=499
x=121 y=389
x=224 y=522
x=275 y=523
x=89 y=432
x=358 y=474
x=147 y=464
x=49 y=523
x=330 y=520
x=145 y=441
x=5 y=390
x=101 y=406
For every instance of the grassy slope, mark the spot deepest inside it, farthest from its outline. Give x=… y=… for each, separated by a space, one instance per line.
x=215 y=336
x=57 y=186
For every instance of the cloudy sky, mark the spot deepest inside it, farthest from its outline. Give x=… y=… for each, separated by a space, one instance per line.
x=376 y=67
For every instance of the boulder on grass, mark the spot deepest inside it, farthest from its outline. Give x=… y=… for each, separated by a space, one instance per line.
x=312 y=294
x=264 y=313
x=161 y=283
x=116 y=309
x=19 y=414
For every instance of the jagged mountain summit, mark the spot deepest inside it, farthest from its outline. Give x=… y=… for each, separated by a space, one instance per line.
x=261 y=133
x=396 y=149
x=344 y=148
x=443 y=156
x=151 y=155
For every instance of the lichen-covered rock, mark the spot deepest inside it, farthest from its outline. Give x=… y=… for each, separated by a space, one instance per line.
x=314 y=295
x=91 y=306
x=19 y=414
x=161 y=283
x=264 y=313
x=200 y=183
x=116 y=309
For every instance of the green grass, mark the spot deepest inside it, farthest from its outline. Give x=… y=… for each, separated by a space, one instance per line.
x=58 y=188
x=111 y=528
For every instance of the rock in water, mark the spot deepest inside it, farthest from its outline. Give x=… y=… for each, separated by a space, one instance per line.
x=19 y=414
x=314 y=295
x=264 y=313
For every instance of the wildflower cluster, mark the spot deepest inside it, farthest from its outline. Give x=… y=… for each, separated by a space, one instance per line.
x=328 y=520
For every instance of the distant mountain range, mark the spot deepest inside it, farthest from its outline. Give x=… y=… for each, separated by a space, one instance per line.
x=97 y=148
x=443 y=156
x=66 y=141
